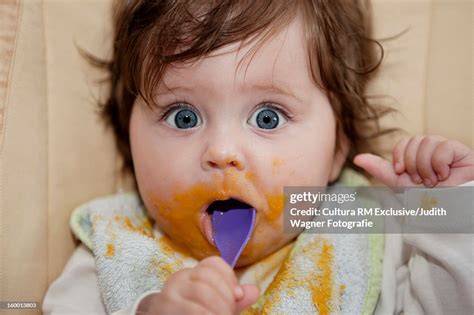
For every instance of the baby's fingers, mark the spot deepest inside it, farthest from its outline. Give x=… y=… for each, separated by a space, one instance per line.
x=398 y=156
x=447 y=154
x=207 y=275
x=159 y=303
x=203 y=294
x=225 y=272
x=410 y=158
x=379 y=168
x=424 y=158
x=250 y=296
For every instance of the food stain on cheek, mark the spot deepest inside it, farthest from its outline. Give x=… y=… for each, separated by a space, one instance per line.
x=275 y=208
x=180 y=215
x=276 y=164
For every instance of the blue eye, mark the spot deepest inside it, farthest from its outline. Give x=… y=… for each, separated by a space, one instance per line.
x=183 y=118
x=267 y=117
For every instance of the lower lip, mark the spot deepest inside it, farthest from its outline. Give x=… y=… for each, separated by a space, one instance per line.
x=206 y=226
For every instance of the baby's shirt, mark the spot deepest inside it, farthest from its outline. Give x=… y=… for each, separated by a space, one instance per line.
x=417 y=270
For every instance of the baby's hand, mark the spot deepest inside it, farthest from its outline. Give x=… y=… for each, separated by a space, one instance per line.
x=422 y=160
x=209 y=288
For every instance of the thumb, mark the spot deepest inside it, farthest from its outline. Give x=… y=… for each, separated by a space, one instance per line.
x=377 y=167
x=250 y=296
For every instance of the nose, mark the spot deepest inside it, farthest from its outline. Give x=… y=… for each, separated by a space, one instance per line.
x=222 y=153
x=224 y=162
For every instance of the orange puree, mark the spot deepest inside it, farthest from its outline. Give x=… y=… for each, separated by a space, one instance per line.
x=180 y=215
x=318 y=280
x=144 y=229
x=110 y=250
x=276 y=165
x=170 y=248
x=322 y=291
x=275 y=202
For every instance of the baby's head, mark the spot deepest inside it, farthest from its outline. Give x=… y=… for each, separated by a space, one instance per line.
x=226 y=100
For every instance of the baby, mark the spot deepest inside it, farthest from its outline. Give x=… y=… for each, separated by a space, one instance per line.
x=233 y=100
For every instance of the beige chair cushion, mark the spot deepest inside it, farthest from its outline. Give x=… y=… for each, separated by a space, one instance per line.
x=55 y=153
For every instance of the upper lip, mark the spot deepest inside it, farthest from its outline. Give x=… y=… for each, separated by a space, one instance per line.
x=238 y=199
x=224 y=205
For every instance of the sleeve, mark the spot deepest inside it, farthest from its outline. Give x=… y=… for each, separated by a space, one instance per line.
x=428 y=273
x=76 y=290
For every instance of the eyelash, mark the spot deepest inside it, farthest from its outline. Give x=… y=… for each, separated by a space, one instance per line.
x=177 y=105
x=270 y=104
x=263 y=104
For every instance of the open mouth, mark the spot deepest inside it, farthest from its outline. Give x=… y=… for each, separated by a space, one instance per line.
x=221 y=206
x=226 y=205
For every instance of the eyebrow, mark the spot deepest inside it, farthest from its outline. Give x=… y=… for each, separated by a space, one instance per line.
x=167 y=89
x=283 y=90
x=269 y=88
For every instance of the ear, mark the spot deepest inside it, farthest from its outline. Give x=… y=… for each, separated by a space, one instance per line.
x=340 y=156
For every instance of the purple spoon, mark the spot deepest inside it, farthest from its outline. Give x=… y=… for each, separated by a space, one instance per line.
x=231 y=231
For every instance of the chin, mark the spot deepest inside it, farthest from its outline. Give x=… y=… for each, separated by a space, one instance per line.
x=255 y=256
x=246 y=261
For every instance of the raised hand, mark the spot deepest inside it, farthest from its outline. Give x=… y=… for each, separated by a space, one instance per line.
x=422 y=161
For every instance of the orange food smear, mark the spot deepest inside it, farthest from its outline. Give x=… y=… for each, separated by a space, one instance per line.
x=322 y=291
x=276 y=163
x=110 y=250
x=165 y=269
x=180 y=214
x=270 y=264
x=250 y=176
x=284 y=278
x=275 y=203
x=318 y=280
x=145 y=229
x=170 y=248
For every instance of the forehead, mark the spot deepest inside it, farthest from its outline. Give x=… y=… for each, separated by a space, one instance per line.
x=280 y=61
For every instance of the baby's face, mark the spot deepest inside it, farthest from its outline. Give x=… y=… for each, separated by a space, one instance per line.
x=222 y=132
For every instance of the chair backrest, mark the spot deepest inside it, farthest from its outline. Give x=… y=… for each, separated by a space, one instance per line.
x=55 y=153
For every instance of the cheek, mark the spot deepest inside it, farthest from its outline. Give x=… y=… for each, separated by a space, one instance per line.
x=304 y=164
x=307 y=161
x=155 y=170
x=157 y=165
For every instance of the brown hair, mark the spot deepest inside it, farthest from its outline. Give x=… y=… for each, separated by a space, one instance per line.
x=153 y=34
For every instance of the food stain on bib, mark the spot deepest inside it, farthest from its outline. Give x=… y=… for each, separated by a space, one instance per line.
x=170 y=248
x=110 y=250
x=322 y=289
x=289 y=280
x=145 y=228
